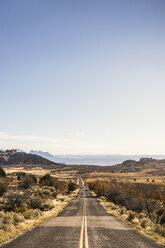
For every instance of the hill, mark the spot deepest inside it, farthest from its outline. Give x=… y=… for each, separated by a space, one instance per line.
x=146 y=165
x=93 y=159
x=14 y=158
x=46 y=155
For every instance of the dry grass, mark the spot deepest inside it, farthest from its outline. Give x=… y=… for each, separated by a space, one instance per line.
x=141 y=177
x=38 y=171
x=15 y=224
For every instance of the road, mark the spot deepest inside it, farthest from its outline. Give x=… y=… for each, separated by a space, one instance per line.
x=83 y=224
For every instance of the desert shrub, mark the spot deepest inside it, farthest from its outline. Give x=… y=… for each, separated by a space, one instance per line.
x=32 y=214
x=36 y=202
x=162 y=220
x=27 y=181
x=131 y=216
x=7 y=227
x=1 y=224
x=1 y=200
x=8 y=218
x=2 y=214
x=122 y=211
x=37 y=213
x=20 y=175
x=18 y=218
x=48 y=205
x=114 y=207
x=143 y=223
x=3 y=186
x=160 y=231
x=2 y=172
x=46 y=180
x=141 y=216
x=21 y=208
x=46 y=193
x=15 y=201
x=71 y=186
x=29 y=214
x=99 y=187
x=137 y=197
x=61 y=187
x=54 y=194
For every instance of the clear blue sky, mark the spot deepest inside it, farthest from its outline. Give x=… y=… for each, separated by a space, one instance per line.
x=83 y=76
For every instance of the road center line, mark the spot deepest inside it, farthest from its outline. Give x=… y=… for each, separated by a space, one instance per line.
x=82 y=233
x=86 y=232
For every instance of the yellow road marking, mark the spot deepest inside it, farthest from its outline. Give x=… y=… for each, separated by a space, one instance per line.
x=84 y=223
x=82 y=232
x=86 y=232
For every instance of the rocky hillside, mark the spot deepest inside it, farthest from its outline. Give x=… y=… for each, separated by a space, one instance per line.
x=14 y=158
x=147 y=165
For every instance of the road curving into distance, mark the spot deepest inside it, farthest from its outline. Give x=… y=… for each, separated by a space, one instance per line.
x=83 y=224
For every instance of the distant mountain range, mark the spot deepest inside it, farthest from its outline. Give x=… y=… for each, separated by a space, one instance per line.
x=92 y=159
x=83 y=163
x=13 y=157
x=46 y=155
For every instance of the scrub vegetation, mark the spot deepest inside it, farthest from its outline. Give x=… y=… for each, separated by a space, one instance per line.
x=26 y=197
x=140 y=204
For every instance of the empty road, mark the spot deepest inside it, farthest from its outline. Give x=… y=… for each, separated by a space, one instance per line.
x=83 y=224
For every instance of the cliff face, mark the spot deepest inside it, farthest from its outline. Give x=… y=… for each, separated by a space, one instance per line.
x=6 y=155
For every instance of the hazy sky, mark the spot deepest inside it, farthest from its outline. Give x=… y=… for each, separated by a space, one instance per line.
x=83 y=76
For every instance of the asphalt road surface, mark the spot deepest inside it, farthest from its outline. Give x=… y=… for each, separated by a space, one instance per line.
x=83 y=224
